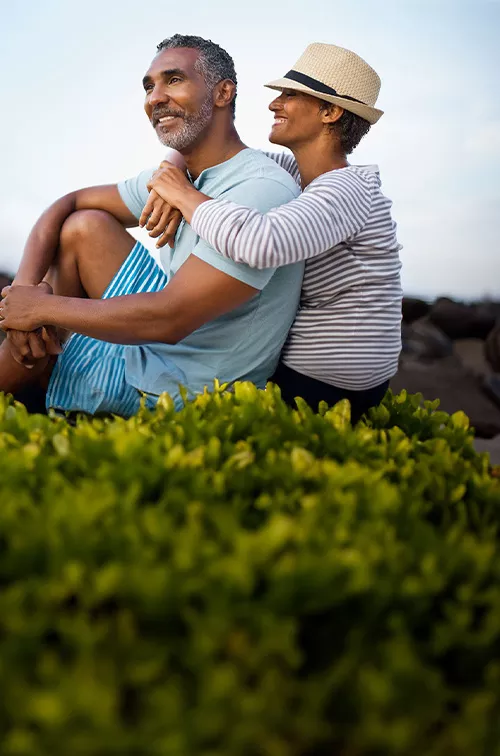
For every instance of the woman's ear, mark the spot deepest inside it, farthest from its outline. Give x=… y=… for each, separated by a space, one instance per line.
x=224 y=93
x=331 y=113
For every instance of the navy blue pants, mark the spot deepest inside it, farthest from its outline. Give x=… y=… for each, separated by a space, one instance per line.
x=294 y=384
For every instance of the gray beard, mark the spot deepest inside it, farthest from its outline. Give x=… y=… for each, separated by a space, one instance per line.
x=190 y=129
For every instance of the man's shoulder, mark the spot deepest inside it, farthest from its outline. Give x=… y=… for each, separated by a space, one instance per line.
x=254 y=165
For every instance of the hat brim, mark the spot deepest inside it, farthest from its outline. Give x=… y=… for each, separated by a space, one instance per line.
x=358 y=108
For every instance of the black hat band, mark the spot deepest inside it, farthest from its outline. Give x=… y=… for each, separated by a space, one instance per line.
x=318 y=86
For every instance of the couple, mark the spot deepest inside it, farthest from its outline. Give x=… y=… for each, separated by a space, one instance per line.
x=231 y=289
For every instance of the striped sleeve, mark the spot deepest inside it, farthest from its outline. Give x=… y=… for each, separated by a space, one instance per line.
x=286 y=161
x=332 y=209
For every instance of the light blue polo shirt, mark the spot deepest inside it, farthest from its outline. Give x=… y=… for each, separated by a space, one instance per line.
x=243 y=344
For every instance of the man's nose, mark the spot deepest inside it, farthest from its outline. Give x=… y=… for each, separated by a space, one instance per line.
x=158 y=95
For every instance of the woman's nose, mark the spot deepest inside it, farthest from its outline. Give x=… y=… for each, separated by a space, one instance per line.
x=275 y=104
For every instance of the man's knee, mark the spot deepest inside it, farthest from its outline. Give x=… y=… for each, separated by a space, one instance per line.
x=82 y=225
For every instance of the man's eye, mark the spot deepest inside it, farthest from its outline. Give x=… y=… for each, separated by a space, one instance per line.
x=174 y=79
x=148 y=88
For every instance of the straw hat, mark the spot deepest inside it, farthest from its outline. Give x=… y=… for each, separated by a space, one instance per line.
x=335 y=75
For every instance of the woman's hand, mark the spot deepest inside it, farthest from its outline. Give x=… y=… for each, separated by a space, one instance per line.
x=173 y=186
x=170 y=183
x=160 y=219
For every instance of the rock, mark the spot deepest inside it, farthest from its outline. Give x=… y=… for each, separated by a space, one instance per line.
x=492 y=348
x=414 y=309
x=424 y=340
x=471 y=353
x=492 y=446
x=455 y=387
x=464 y=321
x=491 y=387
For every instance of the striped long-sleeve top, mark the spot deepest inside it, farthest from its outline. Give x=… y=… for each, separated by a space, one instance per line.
x=347 y=331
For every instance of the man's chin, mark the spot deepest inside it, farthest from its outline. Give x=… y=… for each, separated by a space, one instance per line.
x=170 y=140
x=165 y=137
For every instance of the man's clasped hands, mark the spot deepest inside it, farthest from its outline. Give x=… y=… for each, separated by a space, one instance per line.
x=161 y=218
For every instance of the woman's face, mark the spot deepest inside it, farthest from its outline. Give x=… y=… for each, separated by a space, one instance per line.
x=297 y=118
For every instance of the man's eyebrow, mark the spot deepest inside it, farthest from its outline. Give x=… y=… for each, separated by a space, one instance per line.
x=168 y=72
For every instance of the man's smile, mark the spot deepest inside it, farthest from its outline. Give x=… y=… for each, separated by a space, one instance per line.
x=165 y=118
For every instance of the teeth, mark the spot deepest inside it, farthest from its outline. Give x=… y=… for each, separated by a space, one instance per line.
x=279 y=120
x=166 y=118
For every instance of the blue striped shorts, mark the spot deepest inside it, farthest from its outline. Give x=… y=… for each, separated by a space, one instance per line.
x=89 y=375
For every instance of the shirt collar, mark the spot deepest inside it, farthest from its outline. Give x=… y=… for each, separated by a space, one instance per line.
x=214 y=170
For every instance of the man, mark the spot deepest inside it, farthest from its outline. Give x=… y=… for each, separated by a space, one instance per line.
x=138 y=327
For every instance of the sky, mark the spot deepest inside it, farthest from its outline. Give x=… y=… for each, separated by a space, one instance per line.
x=73 y=114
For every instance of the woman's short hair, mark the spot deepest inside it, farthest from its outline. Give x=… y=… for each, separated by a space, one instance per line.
x=349 y=129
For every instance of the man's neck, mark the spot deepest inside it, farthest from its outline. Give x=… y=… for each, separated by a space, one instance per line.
x=316 y=158
x=219 y=145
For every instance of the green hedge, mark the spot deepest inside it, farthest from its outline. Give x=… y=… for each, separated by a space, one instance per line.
x=241 y=579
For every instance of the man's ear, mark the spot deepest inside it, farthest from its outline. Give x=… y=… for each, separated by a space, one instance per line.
x=224 y=93
x=330 y=112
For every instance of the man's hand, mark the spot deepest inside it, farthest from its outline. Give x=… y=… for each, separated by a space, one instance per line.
x=22 y=307
x=28 y=347
x=160 y=219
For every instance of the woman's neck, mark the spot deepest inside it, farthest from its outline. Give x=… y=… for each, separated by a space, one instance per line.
x=315 y=159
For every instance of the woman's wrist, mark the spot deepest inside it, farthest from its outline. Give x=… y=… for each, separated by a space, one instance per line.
x=190 y=201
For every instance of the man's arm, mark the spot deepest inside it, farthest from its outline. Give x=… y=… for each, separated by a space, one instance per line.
x=196 y=294
x=43 y=240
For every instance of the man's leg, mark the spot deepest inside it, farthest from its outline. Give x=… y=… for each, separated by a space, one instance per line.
x=14 y=377
x=92 y=247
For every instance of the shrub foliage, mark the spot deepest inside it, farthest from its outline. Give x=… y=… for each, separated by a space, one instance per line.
x=241 y=579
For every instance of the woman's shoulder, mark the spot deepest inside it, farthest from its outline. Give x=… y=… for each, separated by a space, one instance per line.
x=362 y=179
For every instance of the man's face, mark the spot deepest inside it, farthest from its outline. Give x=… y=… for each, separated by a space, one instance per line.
x=178 y=103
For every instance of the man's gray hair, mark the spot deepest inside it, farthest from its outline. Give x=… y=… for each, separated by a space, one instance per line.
x=213 y=63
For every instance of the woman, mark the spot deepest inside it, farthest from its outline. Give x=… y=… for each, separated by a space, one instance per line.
x=346 y=338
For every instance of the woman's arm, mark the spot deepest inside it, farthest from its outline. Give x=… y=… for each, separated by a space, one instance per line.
x=333 y=208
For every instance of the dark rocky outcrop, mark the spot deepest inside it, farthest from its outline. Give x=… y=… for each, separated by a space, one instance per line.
x=492 y=347
x=464 y=321
x=456 y=387
x=424 y=340
x=414 y=309
x=453 y=354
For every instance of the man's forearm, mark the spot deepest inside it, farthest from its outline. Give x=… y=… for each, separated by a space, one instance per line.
x=43 y=241
x=132 y=319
